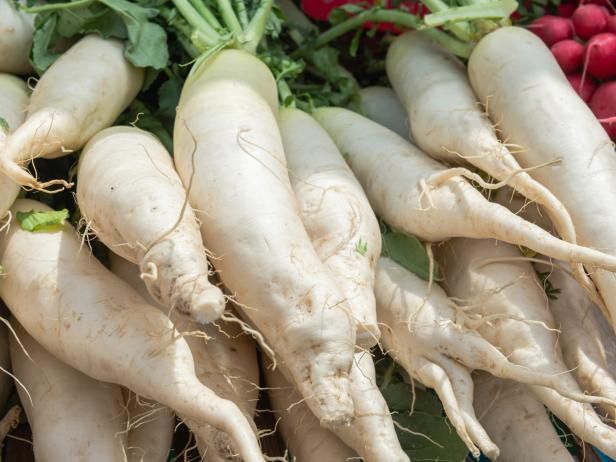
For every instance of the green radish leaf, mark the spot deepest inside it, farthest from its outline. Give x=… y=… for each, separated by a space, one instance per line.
x=34 y=221
x=407 y=251
x=44 y=36
x=168 y=97
x=4 y=126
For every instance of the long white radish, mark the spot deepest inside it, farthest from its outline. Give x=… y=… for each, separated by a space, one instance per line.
x=416 y=194
x=225 y=361
x=13 y=106
x=72 y=416
x=537 y=109
x=382 y=105
x=150 y=429
x=90 y=319
x=517 y=421
x=132 y=198
x=301 y=433
x=505 y=302
x=16 y=29
x=229 y=154
x=62 y=118
x=337 y=215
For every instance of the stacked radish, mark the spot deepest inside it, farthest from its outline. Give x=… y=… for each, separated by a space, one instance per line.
x=584 y=45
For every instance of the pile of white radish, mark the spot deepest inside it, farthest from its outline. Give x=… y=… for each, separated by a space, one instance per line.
x=246 y=273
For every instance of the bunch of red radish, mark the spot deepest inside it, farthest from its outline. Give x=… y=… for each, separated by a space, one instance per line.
x=583 y=41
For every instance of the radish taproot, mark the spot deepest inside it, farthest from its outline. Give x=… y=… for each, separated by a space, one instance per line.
x=336 y=214
x=62 y=118
x=382 y=105
x=260 y=246
x=16 y=29
x=146 y=219
x=79 y=299
x=518 y=87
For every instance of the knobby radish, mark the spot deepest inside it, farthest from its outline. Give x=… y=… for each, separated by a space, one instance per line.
x=537 y=109
x=229 y=154
x=132 y=198
x=225 y=361
x=299 y=428
x=517 y=421
x=16 y=29
x=72 y=416
x=506 y=303
x=336 y=215
x=417 y=195
x=62 y=118
x=552 y=29
x=13 y=104
x=90 y=319
x=382 y=105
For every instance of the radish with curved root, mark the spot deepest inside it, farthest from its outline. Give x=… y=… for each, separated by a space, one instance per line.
x=72 y=416
x=336 y=214
x=417 y=195
x=16 y=29
x=505 y=302
x=517 y=421
x=382 y=105
x=146 y=220
x=13 y=106
x=235 y=163
x=225 y=361
x=90 y=319
x=448 y=123
x=62 y=118
x=299 y=429
x=536 y=108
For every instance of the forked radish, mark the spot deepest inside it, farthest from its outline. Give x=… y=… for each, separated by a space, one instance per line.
x=537 y=109
x=336 y=215
x=62 y=118
x=417 y=195
x=503 y=300
x=13 y=106
x=517 y=421
x=72 y=416
x=87 y=317
x=132 y=198
x=226 y=135
x=382 y=105
x=16 y=29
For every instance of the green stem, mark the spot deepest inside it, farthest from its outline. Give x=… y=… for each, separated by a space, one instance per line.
x=207 y=31
x=229 y=17
x=256 y=28
x=206 y=13
x=242 y=12
x=460 y=30
x=492 y=10
x=452 y=44
x=57 y=6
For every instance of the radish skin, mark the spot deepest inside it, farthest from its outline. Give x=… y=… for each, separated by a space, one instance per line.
x=50 y=278
x=64 y=405
x=508 y=305
x=517 y=421
x=336 y=214
x=251 y=223
x=16 y=29
x=382 y=105
x=417 y=195
x=13 y=104
x=530 y=97
x=131 y=196
x=62 y=118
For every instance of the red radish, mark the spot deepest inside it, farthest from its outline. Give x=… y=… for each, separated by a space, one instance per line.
x=611 y=24
x=601 y=55
x=569 y=54
x=552 y=29
x=566 y=10
x=589 y=20
x=603 y=105
x=585 y=90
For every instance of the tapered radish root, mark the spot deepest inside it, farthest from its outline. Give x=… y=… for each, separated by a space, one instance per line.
x=416 y=194
x=87 y=317
x=336 y=214
x=72 y=416
x=530 y=98
x=517 y=421
x=259 y=243
x=13 y=104
x=145 y=218
x=62 y=118
x=382 y=105
x=509 y=307
x=15 y=38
